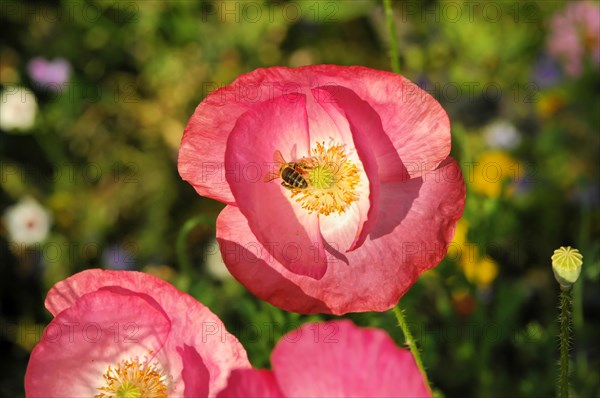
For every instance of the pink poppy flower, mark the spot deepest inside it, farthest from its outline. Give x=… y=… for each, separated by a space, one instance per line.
x=129 y=334
x=367 y=200
x=575 y=33
x=332 y=359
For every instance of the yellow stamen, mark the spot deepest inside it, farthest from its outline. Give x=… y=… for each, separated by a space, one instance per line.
x=132 y=379
x=332 y=179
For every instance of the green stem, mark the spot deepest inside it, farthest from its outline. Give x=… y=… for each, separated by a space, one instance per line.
x=182 y=257
x=389 y=16
x=410 y=341
x=565 y=321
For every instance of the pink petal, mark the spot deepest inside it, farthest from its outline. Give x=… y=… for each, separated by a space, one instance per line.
x=367 y=134
x=416 y=224
x=279 y=223
x=338 y=359
x=339 y=231
x=250 y=262
x=219 y=350
x=202 y=151
x=251 y=383
x=100 y=329
x=195 y=375
x=414 y=121
x=367 y=129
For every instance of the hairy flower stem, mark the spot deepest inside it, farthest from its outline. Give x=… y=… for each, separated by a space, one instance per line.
x=182 y=257
x=565 y=337
x=389 y=16
x=410 y=341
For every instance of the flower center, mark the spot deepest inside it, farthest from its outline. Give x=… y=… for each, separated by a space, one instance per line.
x=132 y=379
x=322 y=177
x=128 y=390
x=332 y=181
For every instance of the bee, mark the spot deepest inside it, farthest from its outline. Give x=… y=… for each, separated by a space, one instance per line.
x=292 y=174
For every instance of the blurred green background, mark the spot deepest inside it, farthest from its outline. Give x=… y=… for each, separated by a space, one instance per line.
x=104 y=90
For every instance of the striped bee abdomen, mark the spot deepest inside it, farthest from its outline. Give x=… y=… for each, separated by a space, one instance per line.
x=292 y=179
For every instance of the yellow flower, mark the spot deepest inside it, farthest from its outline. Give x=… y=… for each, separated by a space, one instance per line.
x=480 y=270
x=491 y=170
x=486 y=271
x=549 y=104
x=460 y=233
x=457 y=245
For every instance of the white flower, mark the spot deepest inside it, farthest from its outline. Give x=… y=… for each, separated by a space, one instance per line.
x=18 y=108
x=27 y=222
x=214 y=262
x=502 y=134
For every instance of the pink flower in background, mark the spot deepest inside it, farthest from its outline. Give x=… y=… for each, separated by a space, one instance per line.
x=129 y=334
x=339 y=187
x=49 y=74
x=332 y=359
x=575 y=33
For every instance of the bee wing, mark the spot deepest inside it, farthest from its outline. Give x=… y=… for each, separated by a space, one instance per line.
x=274 y=173
x=278 y=157
x=271 y=175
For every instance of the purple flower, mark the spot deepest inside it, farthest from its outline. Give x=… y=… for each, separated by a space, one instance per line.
x=49 y=74
x=423 y=82
x=587 y=194
x=118 y=258
x=546 y=72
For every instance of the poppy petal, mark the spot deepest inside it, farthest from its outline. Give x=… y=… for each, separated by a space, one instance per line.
x=339 y=359
x=277 y=220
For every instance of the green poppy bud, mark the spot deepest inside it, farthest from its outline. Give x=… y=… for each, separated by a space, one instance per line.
x=566 y=264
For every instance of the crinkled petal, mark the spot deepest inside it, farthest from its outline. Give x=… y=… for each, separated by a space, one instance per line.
x=415 y=226
x=414 y=121
x=202 y=151
x=219 y=350
x=251 y=383
x=278 y=222
x=102 y=328
x=339 y=359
